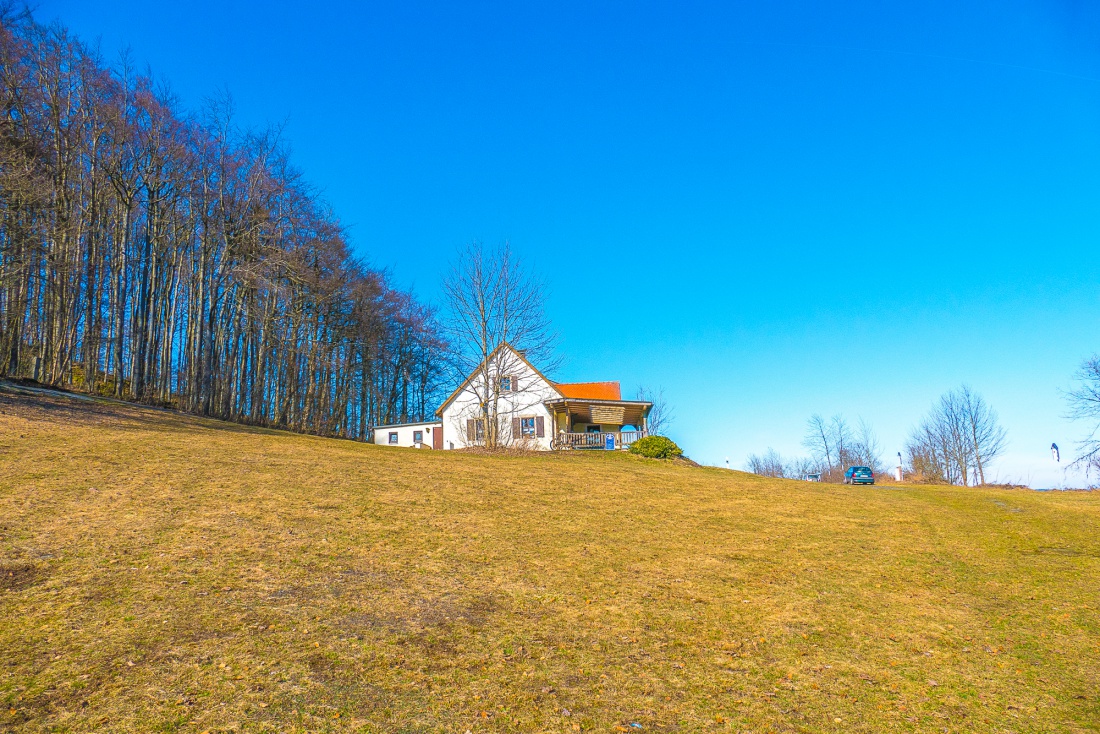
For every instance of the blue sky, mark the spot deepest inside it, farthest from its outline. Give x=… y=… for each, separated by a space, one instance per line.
x=771 y=209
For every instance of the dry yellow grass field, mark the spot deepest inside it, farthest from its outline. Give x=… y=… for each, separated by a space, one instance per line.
x=165 y=573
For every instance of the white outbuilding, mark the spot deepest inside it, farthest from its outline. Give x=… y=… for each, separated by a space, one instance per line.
x=416 y=435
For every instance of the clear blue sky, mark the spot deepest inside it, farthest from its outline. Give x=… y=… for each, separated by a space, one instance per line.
x=771 y=209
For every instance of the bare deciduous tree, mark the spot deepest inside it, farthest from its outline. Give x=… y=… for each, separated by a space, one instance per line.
x=661 y=414
x=957 y=441
x=1084 y=404
x=826 y=440
x=866 y=449
x=834 y=446
x=493 y=300
x=770 y=464
x=984 y=433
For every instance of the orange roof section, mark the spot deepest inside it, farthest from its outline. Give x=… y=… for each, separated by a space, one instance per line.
x=590 y=390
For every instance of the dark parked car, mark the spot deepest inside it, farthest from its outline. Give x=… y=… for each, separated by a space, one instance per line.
x=859 y=475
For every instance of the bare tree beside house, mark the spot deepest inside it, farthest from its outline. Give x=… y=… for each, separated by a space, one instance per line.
x=492 y=300
x=661 y=415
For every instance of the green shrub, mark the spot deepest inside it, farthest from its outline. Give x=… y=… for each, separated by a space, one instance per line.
x=656 y=447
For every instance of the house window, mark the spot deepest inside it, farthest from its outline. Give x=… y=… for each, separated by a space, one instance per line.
x=418 y=436
x=475 y=430
x=393 y=436
x=507 y=384
x=527 y=426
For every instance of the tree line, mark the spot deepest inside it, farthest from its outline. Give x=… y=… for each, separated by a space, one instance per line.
x=833 y=445
x=955 y=443
x=178 y=259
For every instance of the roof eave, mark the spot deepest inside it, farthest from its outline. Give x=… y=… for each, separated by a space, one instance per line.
x=451 y=398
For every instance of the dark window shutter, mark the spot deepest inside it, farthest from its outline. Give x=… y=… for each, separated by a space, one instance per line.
x=515 y=428
x=540 y=426
x=470 y=435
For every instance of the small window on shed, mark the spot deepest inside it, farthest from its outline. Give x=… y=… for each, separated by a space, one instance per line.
x=418 y=436
x=393 y=436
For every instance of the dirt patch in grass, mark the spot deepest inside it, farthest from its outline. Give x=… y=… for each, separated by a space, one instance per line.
x=175 y=574
x=19 y=575
x=37 y=404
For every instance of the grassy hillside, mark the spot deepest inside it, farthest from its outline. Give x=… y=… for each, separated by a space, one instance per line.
x=164 y=573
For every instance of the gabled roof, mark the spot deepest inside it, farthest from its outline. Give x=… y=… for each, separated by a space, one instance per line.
x=474 y=373
x=589 y=390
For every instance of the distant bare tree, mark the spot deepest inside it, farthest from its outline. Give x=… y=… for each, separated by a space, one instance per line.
x=927 y=455
x=834 y=446
x=1085 y=405
x=866 y=449
x=830 y=443
x=772 y=464
x=819 y=440
x=958 y=439
x=492 y=299
x=769 y=465
x=799 y=467
x=661 y=414
x=984 y=433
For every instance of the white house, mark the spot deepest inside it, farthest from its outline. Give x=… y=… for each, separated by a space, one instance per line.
x=506 y=401
x=509 y=396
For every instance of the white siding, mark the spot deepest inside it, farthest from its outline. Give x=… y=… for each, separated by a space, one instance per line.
x=524 y=402
x=406 y=434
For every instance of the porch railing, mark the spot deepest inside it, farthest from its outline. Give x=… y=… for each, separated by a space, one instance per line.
x=596 y=440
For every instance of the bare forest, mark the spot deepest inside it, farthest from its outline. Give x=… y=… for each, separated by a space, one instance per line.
x=175 y=259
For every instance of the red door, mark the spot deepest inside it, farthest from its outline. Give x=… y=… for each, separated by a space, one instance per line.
x=437 y=437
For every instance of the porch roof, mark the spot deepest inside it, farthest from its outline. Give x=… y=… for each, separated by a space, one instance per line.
x=611 y=412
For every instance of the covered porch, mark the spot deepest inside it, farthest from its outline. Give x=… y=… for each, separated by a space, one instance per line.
x=584 y=423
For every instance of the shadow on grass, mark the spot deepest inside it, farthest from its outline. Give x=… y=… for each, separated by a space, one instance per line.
x=40 y=403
